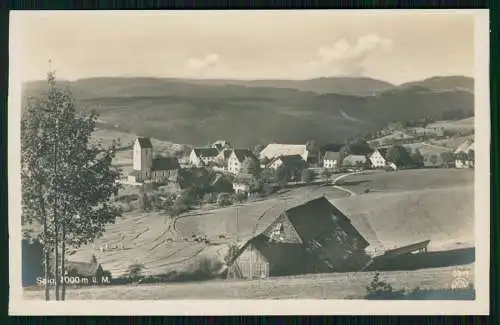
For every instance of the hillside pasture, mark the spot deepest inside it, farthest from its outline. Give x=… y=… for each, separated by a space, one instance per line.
x=163 y=243
x=466 y=124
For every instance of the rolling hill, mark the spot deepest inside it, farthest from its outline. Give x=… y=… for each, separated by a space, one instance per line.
x=199 y=112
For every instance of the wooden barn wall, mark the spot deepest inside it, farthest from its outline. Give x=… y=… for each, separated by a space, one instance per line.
x=252 y=263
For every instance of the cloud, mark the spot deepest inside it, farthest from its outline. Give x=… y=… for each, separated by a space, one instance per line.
x=200 y=65
x=345 y=59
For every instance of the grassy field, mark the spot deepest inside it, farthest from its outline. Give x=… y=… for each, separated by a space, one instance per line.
x=157 y=241
x=317 y=286
x=400 y=208
x=464 y=124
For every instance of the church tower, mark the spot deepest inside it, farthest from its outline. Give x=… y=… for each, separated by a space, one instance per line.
x=143 y=157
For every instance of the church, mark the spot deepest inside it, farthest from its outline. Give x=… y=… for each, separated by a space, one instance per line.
x=147 y=169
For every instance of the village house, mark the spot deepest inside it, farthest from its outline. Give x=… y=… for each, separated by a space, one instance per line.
x=428 y=130
x=331 y=159
x=355 y=161
x=200 y=157
x=149 y=169
x=92 y=271
x=236 y=159
x=462 y=158
x=378 y=158
x=274 y=150
x=220 y=163
x=306 y=238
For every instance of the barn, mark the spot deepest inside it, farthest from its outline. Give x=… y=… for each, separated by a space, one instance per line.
x=307 y=238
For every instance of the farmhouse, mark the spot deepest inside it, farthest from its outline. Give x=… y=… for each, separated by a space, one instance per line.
x=311 y=237
x=378 y=158
x=274 y=150
x=92 y=270
x=429 y=130
x=355 y=160
x=464 y=155
x=200 y=157
x=331 y=159
x=149 y=169
x=236 y=159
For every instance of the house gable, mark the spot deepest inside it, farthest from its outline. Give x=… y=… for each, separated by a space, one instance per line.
x=282 y=231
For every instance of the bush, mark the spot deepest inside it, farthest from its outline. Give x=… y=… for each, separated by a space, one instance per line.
x=377 y=286
x=240 y=197
x=134 y=271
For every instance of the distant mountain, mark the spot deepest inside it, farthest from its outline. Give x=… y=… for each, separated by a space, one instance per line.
x=444 y=83
x=338 y=85
x=194 y=113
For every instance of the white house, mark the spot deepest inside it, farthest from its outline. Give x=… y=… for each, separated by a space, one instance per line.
x=331 y=159
x=274 y=150
x=378 y=158
x=149 y=169
x=200 y=157
x=236 y=159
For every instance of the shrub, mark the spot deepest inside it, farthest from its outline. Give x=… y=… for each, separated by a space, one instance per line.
x=231 y=254
x=134 y=271
x=377 y=286
x=240 y=197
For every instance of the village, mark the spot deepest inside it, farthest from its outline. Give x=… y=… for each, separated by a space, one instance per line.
x=218 y=177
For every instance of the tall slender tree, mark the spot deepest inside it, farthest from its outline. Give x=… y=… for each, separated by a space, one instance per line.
x=67 y=182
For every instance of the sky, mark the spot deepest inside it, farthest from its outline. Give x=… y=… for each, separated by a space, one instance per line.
x=396 y=47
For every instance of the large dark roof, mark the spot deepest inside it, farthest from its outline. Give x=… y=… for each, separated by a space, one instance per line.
x=144 y=142
x=165 y=163
x=241 y=154
x=293 y=161
x=206 y=152
x=324 y=230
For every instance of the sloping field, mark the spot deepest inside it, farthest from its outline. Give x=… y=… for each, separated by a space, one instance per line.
x=390 y=220
x=162 y=243
x=464 y=124
x=428 y=149
x=318 y=286
x=404 y=207
x=413 y=205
